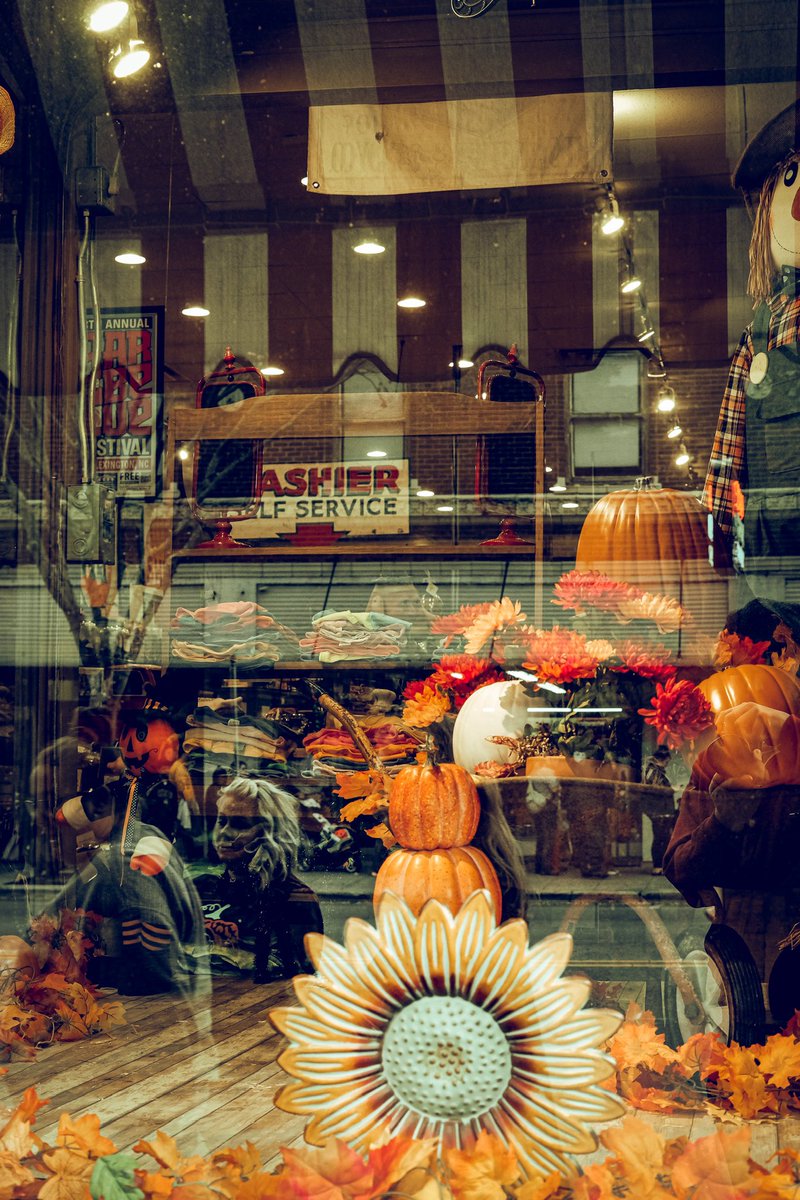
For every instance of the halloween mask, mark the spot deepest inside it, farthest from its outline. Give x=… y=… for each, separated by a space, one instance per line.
x=239 y=827
x=784 y=218
x=148 y=745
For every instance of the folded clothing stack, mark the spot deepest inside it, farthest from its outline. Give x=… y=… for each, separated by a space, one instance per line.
x=336 y=636
x=240 y=630
x=333 y=749
x=221 y=736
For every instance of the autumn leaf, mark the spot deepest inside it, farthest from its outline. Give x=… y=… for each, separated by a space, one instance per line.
x=263 y=1186
x=714 y=1168
x=162 y=1148
x=639 y=1150
x=745 y=1085
x=366 y=807
x=156 y=1185
x=595 y=1182
x=246 y=1158
x=83 y=1134
x=484 y=1171
x=779 y=1057
x=397 y=1159
x=12 y=1173
x=70 y=1178
x=334 y=1172
x=113 y=1178
x=353 y=784
x=539 y=1188
x=702 y=1054
x=637 y=1043
x=194 y=1191
x=383 y=833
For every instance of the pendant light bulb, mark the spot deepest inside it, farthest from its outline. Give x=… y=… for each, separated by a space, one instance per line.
x=108 y=16
x=666 y=400
x=611 y=222
x=682 y=457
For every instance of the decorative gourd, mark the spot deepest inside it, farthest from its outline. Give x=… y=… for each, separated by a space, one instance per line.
x=497 y=710
x=769 y=686
x=755 y=747
x=644 y=536
x=449 y=876
x=433 y=806
x=18 y=963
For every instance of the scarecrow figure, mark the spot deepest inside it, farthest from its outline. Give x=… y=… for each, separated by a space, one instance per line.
x=753 y=481
x=257 y=912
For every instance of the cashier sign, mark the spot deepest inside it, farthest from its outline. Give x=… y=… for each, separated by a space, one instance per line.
x=356 y=497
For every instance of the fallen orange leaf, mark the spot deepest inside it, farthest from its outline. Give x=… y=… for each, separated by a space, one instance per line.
x=714 y=1168
x=483 y=1171
x=82 y=1134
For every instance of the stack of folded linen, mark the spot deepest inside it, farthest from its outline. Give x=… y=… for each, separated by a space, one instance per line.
x=222 y=737
x=333 y=749
x=338 y=636
x=242 y=630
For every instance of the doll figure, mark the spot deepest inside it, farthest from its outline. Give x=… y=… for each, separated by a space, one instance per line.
x=754 y=472
x=257 y=911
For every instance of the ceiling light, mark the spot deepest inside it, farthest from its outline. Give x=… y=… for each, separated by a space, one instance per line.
x=632 y=283
x=425 y=493
x=560 y=485
x=304 y=181
x=195 y=310
x=611 y=221
x=674 y=432
x=183 y=453
x=666 y=400
x=270 y=371
x=376 y=454
x=570 y=504
x=464 y=364
x=369 y=247
x=411 y=302
x=129 y=258
x=548 y=470
x=444 y=508
x=682 y=457
x=108 y=16
x=126 y=62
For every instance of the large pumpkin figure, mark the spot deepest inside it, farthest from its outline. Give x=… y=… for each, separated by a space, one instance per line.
x=770 y=687
x=148 y=742
x=755 y=747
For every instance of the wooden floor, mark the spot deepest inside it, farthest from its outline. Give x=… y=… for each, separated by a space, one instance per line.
x=207 y=1076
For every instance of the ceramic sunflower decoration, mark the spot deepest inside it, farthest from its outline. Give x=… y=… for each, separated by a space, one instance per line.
x=443 y=1026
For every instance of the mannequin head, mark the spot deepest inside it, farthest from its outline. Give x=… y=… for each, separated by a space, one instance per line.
x=257 y=825
x=776 y=232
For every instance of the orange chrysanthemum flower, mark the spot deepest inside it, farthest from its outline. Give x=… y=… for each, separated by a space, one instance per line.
x=666 y=613
x=679 y=711
x=426 y=707
x=502 y=614
x=453 y=624
x=562 y=656
x=581 y=590
x=651 y=662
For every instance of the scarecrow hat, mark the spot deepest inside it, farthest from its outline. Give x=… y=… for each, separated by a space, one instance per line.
x=773 y=142
x=6 y=121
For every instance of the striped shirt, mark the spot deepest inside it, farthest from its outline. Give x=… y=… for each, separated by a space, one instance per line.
x=728 y=464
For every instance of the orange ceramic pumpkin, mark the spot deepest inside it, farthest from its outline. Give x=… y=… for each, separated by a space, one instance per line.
x=756 y=747
x=446 y=875
x=433 y=806
x=769 y=686
x=644 y=536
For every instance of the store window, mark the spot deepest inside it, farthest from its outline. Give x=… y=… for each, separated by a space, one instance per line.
x=607 y=436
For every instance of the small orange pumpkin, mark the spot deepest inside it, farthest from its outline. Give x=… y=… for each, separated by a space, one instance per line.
x=148 y=745
x=768 y=686
x=433 y=806
x=446 y=875
x=755 y=747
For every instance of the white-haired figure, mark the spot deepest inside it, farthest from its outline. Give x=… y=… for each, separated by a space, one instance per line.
x=257 y=912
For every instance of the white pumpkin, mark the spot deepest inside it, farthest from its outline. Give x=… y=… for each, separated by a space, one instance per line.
x=497 y=710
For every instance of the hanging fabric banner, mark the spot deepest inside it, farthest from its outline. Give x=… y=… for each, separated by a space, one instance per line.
x=391 y=149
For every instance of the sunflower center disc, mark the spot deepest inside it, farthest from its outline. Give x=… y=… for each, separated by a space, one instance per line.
x=446 y=1058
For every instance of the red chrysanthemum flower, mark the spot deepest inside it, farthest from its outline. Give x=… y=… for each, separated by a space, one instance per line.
x=461 y=675
x=679 y=711
x=580 y=590
x=414 y=689
x=651 y=662
x=560 y=655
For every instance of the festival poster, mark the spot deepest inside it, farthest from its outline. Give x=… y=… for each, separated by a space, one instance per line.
x=128 y=398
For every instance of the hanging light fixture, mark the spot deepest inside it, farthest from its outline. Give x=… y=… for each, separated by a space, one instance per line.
x=674 y=432
x=656 y=368
x=369 y=245
x=665 y=402
x=631 y=281
x=610 y=220
x=130 y=54
x=682 y=457
x=646 y=331
x=104 y=17
x=560 y=484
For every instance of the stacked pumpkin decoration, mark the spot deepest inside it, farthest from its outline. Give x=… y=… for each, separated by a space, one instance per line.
x=757 y=727
x=434 y=811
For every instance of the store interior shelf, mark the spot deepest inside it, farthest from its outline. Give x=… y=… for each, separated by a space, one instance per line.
x=373 y=548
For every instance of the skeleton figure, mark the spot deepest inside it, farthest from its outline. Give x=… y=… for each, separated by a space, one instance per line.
x=257 y=911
